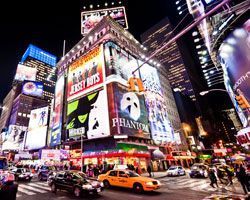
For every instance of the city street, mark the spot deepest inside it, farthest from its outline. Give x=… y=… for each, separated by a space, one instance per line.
x=173 y=188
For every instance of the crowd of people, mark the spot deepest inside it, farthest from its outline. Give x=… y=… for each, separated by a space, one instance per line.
x=225 y=174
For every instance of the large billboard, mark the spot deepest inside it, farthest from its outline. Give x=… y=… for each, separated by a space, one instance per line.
x=89 y=19
x=128 y=115
x=37 y=130
x=119 y=64
x=32 y=88
x=85 y=73
x=88 y=116
x=25 y=73
x=235 y=60
x=161 y=129
x=13 y=139
x=57 y=112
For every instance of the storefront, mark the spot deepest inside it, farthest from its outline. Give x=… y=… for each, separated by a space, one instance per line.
x=184 y=158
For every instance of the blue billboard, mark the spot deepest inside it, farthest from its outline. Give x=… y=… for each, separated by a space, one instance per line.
x=32 y=88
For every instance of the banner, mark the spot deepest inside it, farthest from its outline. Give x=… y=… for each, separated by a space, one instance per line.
x=128 y=115
x=13 y=139
x=57 y=112
x=161 y=129
x=32 y=88
x=25 y=73
x=85 y=73
x=88 y=117
x=37 y=130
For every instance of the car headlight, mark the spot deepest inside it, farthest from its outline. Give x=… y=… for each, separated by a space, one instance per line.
x=201 y=171
x=21 y=176
x=101 y=184
x=158 y=182
x=87 y=187
x=149 y=183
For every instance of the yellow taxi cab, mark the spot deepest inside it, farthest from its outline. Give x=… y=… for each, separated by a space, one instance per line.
x=129 y=179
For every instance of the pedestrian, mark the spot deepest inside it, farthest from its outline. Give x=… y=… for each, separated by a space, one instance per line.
x=242 y=178
x=220 y=174
x=149 y=170
x=212 y=177
x=230 y=175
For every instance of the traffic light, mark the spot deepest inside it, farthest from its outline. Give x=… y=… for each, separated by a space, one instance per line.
x=132 y=82
x=242 y=101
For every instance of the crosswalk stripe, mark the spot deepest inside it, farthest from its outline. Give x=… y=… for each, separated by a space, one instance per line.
x=32 y=188
x=18 y=195
x=39 y=186
x=42 y=183
x=25 y=191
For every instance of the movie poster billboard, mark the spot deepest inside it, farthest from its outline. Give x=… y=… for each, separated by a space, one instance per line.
x=57 y=112
x=32 y=88
x=25 y=73
x=13 y=139
x=235 y=62
x=88 y=116
x=128 y=115
x=37 y=130
x=85 y=73
x=161 y=129
x=89 y=19
x=119 y=64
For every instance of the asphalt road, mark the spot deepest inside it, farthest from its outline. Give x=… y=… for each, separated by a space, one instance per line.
x=173 y=188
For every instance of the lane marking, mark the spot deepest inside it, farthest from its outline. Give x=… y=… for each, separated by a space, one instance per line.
x=39 y=186
x=32 y=188
x=25 y=191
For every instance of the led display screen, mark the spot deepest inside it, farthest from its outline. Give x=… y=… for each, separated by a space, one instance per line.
x=13 y=139
x=89 y=19
x=85 y=73
x=37 y=130
x=88 y=116
x=128 y=115
x=25 y=73
x=234 y=54
x=119 y=64
x=57 y=112
x=32 y=88
x=161 y=129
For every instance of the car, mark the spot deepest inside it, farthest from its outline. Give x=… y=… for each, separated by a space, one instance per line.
x=45 y=171
x=176 y=171
x=199 y=170
x=74 y=182
x=22 y=174
x=129 y=179
x=8 y=188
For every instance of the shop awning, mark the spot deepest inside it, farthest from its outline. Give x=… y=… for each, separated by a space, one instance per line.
x=115 y=154
x=157 y=155
x=170 y=157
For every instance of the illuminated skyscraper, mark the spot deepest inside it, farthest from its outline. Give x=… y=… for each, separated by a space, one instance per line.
x=170 y=57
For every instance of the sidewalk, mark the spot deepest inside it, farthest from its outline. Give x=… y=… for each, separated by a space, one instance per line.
x=161 y=174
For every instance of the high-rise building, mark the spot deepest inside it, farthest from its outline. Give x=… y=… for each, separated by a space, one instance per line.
x=44 y=63
x=115 y=123
x=170 y=57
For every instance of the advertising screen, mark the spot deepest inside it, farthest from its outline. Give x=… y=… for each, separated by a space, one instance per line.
x=57 y=112
x=85 y=73
x=235 y=62
x=32 y=88
x=161 y=129
x=25 y=73
x=88 y=116
x=37 y=130
x=119 y=64
x=89 y=19
x=13 y=139
x=128 y=115
x=50 y=154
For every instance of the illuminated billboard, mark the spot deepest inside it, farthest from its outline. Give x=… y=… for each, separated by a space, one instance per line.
x=85 y=73
x=88 y=116
x=25 y=73
x=32 y=88
x=57 y=112
x=128 y=115
x=89 y=19
x=13 y=139
x=234 y=55
x=161 y=129
x=119 y=64
x=37 y=130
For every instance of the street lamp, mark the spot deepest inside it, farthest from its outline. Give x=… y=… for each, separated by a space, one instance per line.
x=207 y=91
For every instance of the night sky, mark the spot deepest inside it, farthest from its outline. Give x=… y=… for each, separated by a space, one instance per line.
x=47 y=23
